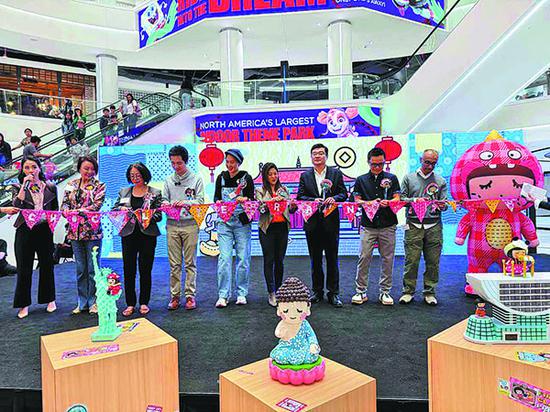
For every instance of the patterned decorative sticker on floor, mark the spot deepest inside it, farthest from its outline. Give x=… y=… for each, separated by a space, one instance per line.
x=291 y=405
x=77 y=353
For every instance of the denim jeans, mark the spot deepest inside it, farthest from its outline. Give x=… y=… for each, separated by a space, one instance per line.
x=85 y=282
x=233 y=235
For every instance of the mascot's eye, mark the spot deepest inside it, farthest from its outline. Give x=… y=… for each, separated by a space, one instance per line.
x=486 y=155
x=285 y=311
x=514 y=154
x=299 y=311
x=341 y=120
x=487 y=186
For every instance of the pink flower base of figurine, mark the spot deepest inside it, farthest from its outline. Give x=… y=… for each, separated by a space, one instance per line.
x=297 y=377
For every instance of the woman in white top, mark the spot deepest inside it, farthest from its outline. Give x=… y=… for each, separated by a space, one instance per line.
x=131 y=111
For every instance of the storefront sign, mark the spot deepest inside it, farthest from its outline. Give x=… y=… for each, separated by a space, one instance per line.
x=161 y=18
x=289 y=125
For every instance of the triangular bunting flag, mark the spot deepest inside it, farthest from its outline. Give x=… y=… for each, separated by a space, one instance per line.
x=118 y=218
x=52 y=217
x=370 y=209
x=32 y=217
x=94 y=218
x=276 y=208
x=397 y=205
x=250 y=208
x=144 y=217
x=307 y=209
x=74 y=219
x=350 y=210
x=329 y=209
x=453 y=204
x=199 y=213
x=510 y=204
x=172 y=212
x=225 y=210
x=420 y=209
x=492 y=205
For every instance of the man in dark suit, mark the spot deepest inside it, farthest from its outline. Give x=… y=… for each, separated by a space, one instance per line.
x=324 y=185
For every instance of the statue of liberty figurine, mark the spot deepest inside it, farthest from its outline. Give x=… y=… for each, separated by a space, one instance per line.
x=108 y=291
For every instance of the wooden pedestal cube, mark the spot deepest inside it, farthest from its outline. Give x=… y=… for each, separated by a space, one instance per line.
x=250 y=388
x=136 y=372
x=469 y=377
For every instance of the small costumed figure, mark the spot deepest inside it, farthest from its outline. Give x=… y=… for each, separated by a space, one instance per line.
x=113 y=282
x=108 y=291
x=295 y=359
x=480 y=310
x=518 y=262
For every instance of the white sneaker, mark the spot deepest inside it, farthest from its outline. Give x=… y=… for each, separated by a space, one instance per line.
x=385 y=299
x=359 y=298
x=272 y=300
x=241 y=300
x=430 y=300
x=221 y=303
x=406 y=298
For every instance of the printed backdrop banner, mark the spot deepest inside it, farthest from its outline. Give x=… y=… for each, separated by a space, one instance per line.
x=289 y=125
x=161 y=18
x=348 y=154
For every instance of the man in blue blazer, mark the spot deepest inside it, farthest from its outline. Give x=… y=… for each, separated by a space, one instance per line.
x=324 y=185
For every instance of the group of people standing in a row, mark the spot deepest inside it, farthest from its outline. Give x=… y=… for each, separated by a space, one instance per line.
x=321 y=184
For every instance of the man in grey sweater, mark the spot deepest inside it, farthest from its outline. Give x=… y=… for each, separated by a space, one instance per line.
x=182 y=189
x=426 y=236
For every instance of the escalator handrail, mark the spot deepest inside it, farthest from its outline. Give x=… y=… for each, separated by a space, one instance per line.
x=93 y=122
x=93 y=135
x=99 y=132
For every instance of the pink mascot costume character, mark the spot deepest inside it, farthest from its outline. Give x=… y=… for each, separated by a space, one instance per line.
x=491 y=170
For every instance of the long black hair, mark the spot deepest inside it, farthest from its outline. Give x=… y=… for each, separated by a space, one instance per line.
x=22 y=174
x=265 y=181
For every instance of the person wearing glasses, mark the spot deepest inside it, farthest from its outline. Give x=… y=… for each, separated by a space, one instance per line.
x=139 y=236
x=383 y=187
x=424 y=237
x=324 y=185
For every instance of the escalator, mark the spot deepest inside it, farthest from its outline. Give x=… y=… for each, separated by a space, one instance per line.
x=155 y=109
x=498 y=48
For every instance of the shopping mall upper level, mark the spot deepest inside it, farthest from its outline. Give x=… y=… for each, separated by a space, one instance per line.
x=431 y=65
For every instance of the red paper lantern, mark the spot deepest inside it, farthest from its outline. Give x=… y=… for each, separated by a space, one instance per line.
x=391 y=148
x=211 y=156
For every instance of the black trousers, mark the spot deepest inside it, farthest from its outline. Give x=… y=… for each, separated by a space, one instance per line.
x=319 y=240
x=139 y=248
x=29 y=242
x=274 y=244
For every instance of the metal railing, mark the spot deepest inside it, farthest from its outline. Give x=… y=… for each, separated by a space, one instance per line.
x=156 y=108
x=342 y=87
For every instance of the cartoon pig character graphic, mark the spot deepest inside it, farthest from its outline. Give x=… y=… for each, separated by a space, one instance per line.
x=494 y=169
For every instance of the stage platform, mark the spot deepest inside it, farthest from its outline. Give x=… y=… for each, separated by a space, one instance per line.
x=387 y=343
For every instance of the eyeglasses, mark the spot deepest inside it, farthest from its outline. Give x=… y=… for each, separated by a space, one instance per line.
x=376 y=164
x=428 y=163
x=135 y=176
x=318 y=153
